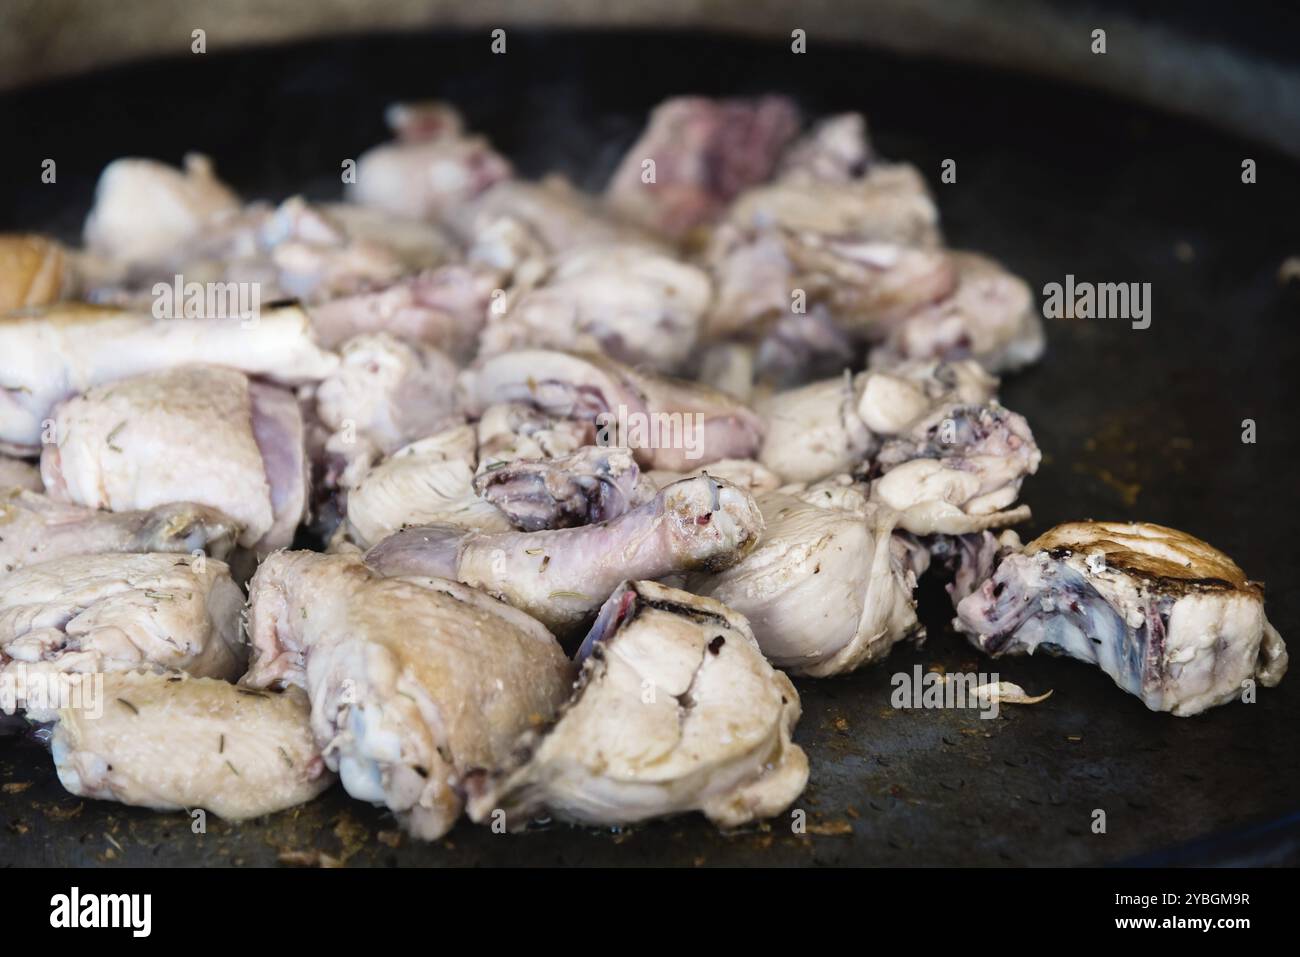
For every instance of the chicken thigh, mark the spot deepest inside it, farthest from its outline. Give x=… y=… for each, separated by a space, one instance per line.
x=198 y=433
x=108 y=613
x=412 y=681
x=173 y=743
x=825 y=590
x=675 y=710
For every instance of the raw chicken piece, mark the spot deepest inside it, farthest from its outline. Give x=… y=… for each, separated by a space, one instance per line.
x=512 y=430
x=744 y=473
x=413 y=681
x=957 y=471
x=675 y=711
x=668 y=423
x=829 y=427
x=33 y=272
x=444 y=308
x=430 y=171
x=198 y=433
x=120 y=612
x=835 y=150
x=308 y=251
x=429 y=481
x=417 y=244
x=1169 y=618
x=34 y=528
x=385 y=394
x=728 y=366
x=19 y=474
x=313 y=258
x=991 y=316
x=517 y=225
x=48 y=355
x=172 y=743
x=562 y=577
x=825 y=590
x=145 y=210
x=867 y=249
x=797 y=349
x=705 y=152
x=626 y=301
x=590 y=486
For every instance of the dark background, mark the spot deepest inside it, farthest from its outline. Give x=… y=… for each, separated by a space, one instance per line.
x=1133 y=424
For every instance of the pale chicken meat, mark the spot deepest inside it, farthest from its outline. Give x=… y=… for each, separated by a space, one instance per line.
x=836 y=150
x=829 y=427
x=429 y=481
x=515 y=226
x=34 y=271
x=956 y=471
x=868 y=249
x=1169 y=618
x=204 y=434
x=675 y=711
x=34 y=528
x=748 y=474
x=48 y=355
x=992 y=316
x=174 y=743
x=695 y=156
x=629 y=302
x=514 y=430
x=385 y=394
x=667 y=423
x=590 y=486
x=413 y=681
x=430 y=169
x=825 y=590
x=145 y=210
x=120 y=612
x=562 y=577
x=444 y=308
x=314 y=252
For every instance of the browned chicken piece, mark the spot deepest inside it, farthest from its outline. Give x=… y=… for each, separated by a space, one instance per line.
x=33 y=272
x=1169 y=618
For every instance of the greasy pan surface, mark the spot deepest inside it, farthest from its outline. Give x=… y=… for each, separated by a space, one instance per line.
x=1133 y=424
